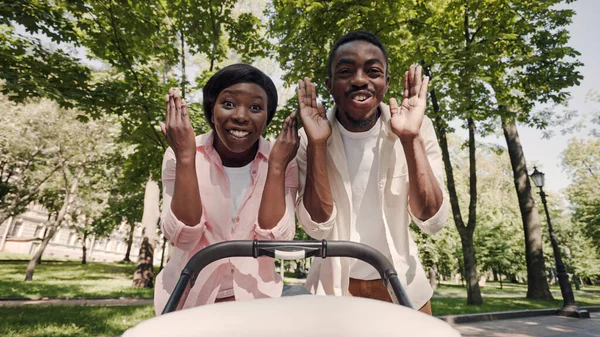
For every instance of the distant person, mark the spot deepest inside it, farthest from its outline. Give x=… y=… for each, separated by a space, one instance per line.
x=227 y=184
x=367 y=169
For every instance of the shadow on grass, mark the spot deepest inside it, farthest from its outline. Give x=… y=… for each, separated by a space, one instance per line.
x=41 y=321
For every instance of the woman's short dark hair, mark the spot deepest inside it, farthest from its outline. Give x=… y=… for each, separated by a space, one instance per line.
x=234 y=74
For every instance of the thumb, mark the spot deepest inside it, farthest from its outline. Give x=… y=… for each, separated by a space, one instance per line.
x=393 y=107
x=163 y=128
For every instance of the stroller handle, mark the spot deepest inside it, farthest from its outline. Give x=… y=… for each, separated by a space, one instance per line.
x=287 y=250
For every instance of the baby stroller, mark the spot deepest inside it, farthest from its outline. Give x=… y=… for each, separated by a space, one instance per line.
x=303 y=315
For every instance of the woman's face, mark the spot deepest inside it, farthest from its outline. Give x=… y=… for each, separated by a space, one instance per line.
x=239 y=118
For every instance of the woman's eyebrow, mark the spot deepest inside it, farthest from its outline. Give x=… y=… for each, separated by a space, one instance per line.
x=235 y=92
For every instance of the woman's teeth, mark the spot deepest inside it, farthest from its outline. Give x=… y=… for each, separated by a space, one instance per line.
x=238 y=133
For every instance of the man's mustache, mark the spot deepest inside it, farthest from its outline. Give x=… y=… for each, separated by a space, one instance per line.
x=355 y=89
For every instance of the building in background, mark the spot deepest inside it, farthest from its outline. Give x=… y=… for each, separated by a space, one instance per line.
x=23 y=235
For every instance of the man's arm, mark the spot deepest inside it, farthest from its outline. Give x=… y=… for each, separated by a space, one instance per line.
x=425 y=195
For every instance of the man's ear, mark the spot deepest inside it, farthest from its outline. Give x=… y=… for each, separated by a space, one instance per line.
x=387 y=83
x=328 y=84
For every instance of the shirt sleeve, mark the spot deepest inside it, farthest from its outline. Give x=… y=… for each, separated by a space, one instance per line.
x=286 y=227
x=179 y=234
x=317 y=230
x=434 y=154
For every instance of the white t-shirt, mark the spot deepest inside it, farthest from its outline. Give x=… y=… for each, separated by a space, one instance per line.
x=367 y=225
x=239 y=181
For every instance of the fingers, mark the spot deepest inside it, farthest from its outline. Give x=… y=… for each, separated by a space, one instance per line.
x=423 y=90
x=301 y=94
x=312 y=93
x=321 y=111
x=168 y=108
x=418 y=79
x=406 y=84
x=184 y=110
x=393 y=106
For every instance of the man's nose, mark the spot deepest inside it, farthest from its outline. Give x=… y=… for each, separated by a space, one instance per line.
x=360 y=79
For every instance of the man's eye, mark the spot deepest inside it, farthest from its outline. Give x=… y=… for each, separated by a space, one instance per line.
x=374 y=71
x=255 y=108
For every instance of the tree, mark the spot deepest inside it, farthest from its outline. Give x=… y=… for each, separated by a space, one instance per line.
x=79 y=155
x=581 y=161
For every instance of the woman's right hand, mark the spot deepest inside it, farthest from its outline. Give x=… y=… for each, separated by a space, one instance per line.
x=178 y=129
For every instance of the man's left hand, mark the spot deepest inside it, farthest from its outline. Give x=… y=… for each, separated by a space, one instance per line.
x=406 y=119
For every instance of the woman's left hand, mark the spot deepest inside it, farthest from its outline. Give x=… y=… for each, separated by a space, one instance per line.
x=286 y=145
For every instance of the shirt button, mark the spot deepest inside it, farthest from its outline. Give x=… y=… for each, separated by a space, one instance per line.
x=237 y=219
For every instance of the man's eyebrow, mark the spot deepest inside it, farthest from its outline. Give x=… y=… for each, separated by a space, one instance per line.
x=345 y=60
x=374 y=60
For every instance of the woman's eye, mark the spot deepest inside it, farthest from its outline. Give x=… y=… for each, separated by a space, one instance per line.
x=228 y=104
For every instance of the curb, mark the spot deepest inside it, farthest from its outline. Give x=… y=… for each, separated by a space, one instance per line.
x=494 y=316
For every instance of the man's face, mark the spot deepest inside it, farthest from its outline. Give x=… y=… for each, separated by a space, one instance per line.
x=358 y=83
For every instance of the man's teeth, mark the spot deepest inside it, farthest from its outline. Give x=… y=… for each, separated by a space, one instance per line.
x=360 y=98
x=238 y=133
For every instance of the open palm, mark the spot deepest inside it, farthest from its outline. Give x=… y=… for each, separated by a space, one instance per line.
x=312 y=115
x=406 y=119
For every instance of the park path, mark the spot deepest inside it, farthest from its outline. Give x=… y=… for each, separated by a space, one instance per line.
x=77 y=301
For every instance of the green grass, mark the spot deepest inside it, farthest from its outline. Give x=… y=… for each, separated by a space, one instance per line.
x=69 y=279
x=511 y=297
x=72 y=321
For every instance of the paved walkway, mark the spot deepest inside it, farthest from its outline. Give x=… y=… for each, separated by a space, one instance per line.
x=85 y=301
x=554 y=326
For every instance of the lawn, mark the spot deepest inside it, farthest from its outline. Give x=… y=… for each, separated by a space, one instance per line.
x=510 y=297
x=69 y=279
x=71 y=321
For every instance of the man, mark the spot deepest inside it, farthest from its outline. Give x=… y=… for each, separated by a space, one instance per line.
x=366 y=169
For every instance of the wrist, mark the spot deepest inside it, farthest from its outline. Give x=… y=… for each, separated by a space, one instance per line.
x=410 y=140
x=277 y=167
x=185 y=159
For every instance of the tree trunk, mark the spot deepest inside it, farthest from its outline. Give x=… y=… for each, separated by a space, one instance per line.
x=466 y=232
x=53 y=227
x=432 y=276
x=84 y=249
x=144 y=273
x=537 y=284
x=162 y=254
x=129 y=241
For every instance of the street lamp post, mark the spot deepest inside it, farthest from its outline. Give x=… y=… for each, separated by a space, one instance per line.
x=569 y=308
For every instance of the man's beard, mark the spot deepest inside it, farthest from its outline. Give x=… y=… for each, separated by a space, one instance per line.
x=363 y=123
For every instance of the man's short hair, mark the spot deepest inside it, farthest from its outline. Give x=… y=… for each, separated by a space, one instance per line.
x=357 y=35
x=234 y=74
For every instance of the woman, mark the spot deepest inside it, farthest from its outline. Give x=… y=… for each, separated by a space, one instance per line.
x=217 y=187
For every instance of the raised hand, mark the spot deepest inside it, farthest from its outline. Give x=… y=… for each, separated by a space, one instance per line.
x=407 y=118
x=178 y=129
x=286 y=145
x=312 y=115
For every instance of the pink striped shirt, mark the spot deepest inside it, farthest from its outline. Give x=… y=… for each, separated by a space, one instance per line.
x=252 y=278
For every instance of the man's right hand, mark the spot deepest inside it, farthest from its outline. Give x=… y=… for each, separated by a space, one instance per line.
x=312 y=115
x=178 y=129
